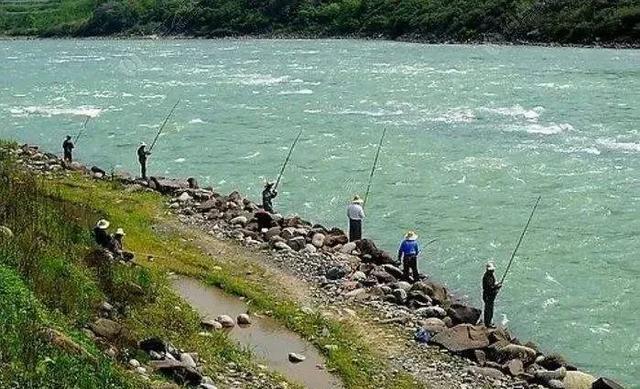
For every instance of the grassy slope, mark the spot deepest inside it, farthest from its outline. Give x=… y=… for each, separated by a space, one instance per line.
x=144 y=217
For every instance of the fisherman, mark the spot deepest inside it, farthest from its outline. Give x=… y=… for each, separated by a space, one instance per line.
x=143 y=154
x=489 y=292
x=268 y=194
x=100 y=234
x=116 y=245
x=67 y=147
x=355 y=213
x=408 y=254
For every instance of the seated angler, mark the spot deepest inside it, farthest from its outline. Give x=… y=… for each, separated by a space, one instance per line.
x=117 y=247
x=101 y=235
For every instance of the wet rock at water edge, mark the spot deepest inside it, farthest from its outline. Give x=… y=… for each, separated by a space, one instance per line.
x=461 y=314
x=226 y=321
x=210 y=324
x=462 y=337
x=515 y=351
x=296 y=358
x=605 y=383
x=243 y=319
x=578 y=380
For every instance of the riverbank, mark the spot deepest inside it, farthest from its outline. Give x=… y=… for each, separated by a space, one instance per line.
x=404 y=39
x=353 y=284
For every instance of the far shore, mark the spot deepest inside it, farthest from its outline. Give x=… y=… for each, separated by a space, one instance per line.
x=289 y=36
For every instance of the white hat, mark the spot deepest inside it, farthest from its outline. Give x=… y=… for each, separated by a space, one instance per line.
x=357 y=200
x=120 y=231
x=491 y=266
x=143 y=144
x=411 y=236
x=103 y=224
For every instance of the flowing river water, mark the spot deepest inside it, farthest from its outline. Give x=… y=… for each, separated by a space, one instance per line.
x=474 y=135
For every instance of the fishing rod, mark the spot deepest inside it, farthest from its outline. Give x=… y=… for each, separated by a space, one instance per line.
x=375 y=163
x=163 y=124
x=286 y=161
x=524 y=231
x=84 y=126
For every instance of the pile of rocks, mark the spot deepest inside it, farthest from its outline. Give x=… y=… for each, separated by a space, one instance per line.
x=355 y=271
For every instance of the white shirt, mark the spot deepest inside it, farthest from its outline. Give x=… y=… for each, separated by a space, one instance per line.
x=355 y=211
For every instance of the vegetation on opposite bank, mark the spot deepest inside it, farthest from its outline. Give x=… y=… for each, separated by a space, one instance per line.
x=545 y=21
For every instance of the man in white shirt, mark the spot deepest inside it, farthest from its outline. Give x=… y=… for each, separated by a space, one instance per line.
x=355 y=213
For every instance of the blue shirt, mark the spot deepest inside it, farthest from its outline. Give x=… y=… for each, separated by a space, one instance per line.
x=409 y=247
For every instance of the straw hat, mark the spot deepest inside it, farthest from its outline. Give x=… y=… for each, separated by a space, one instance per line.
x=120 y=231
x=357 y=200
x=491 y=266
x=142 y=144
x=103 y=224
x=411 y=236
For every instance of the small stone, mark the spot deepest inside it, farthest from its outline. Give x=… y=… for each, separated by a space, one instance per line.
x=141 y=370
x=5 y=232
x=318 y=240
x=358 y=276
x=241 y=220
x=211 y=324
x=187 y=360
x=282 y=246
x=348 y=248
x=184 y=197
x=296 y=358
x=134 y=363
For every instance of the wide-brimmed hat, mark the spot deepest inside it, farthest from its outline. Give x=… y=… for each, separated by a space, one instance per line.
x=491 y=266
x=142 y=144
x=411 y=236
x=120 y=231
x=357 y=200
x=103 y=224
x=268 y=184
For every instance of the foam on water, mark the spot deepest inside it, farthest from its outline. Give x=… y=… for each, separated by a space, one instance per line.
x=296 y=92
x=48 y=111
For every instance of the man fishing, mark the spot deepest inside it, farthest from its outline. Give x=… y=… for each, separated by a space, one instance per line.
x=67 y=148
x=100 y=234
x=408 y=254
x=268 y=194
x=143 y=154
x=355 y=213
x=489 y=292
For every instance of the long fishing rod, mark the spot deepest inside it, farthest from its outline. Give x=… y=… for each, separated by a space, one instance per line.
x=375 y=163
x=84 y=126
x=163 y=124
x=286 y=161
x=524 y=231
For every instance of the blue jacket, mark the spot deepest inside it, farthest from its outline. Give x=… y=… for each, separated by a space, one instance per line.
x=409 y=247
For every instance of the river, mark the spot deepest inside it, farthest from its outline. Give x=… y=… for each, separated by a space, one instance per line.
x=474 y=135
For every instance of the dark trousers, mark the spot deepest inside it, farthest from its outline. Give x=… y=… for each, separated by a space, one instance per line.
x=67 y=156
x=410 y=263
x=143 y=169
x=488 y=311
x=355 y=230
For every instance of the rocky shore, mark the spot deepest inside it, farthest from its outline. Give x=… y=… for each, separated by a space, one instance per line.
x=443 y=342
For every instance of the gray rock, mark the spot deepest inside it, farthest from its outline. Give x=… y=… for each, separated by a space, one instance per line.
x=555 y=384
x=400 y=295
x=318 y=240
x=348 y=248
x=106 y=328
x=336 y=273
x=434 y=311
x=393 y=270
x=383 y=277
x=487 y=372
x=552 y=361
x=296 y=358
x=288 y=233
x=358 y=276
x=272 y=232
x=5 y=232
x=297 y=243
x=516 y=351
x=461 y=313
x=187 y=360
x=605 y=383
x=226 y=321
x=309 y=248
x=282 y=246
x=184 y=197
x=404 y=285
x=243 y=319
x=240 y=220
x=134 y=363
x=545 y=375
x=211 y=324
x=514 y=367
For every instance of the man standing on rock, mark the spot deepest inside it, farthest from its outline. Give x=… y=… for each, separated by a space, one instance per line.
x=67 y=147
x=268 y=194
x=355 y=213
x=408 y=254
x=143 y=154
x=489 y=292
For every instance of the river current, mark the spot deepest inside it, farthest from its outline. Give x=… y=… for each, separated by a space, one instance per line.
x=474 y=135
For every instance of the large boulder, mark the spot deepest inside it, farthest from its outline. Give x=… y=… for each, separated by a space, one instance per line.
x=461 y=313
x=437 y=293
x=369 y=252
x=226 y=321
x=394 y=271
x=578 y=380
x=433 y=325
x=462 y=337
x=167 y=186
x=334 y=240
x=546 y=375
x=434 y=311
x=552 y=361
x=605 y=383
x=383 y=277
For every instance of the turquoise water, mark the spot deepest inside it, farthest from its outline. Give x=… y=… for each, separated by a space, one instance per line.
x=474 y=134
